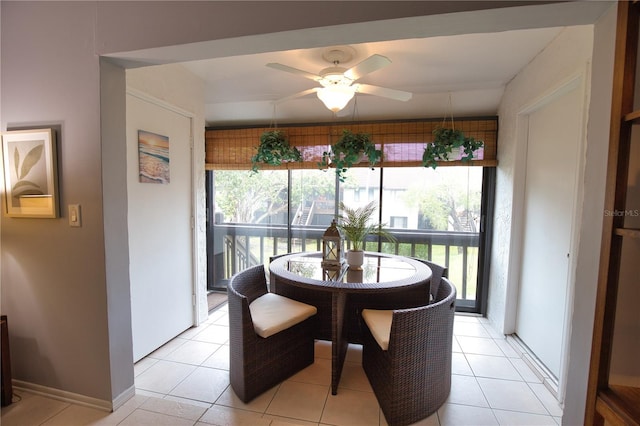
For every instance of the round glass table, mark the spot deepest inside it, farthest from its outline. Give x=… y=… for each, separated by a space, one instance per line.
x=395 y=279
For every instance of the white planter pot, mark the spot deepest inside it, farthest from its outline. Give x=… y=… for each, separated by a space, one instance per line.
x=355 y=259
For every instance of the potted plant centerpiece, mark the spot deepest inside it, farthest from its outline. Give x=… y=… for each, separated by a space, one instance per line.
x=350 y=149
x=444 y=142
x=355 y=226
x=274 y=149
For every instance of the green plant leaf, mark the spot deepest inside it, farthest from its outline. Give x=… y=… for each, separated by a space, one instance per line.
x=31 y=160
x=355 y=226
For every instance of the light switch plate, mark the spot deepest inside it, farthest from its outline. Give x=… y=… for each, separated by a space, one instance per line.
x=75 y=218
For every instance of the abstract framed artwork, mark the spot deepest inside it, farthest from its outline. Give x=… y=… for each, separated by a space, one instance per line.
x=30 y=173
x=153 y=157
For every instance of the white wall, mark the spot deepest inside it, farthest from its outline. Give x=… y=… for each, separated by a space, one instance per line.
x=569 y=54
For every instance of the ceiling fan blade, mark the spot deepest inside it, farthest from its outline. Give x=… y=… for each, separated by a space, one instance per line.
x=286 y=68
x=371 y=64
x=398 y=95
x=297 y=95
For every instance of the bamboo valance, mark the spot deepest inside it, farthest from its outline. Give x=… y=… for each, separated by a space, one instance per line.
x=402 y=142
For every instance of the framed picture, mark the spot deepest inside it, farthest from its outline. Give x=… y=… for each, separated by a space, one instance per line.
x=153 y=157
x=30 y=173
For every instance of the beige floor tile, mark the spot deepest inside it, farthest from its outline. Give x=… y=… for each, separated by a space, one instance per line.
x=193 y=352
x=76 y=415
x=459 y=365
x=455 y=347
x=173 y=408
x=205 y=405
x=219 y=359
x=122 y=412
x=546 y=397
x=258 y=404
x=469 y=329
x=354 y=353
x=167 y=348
x=283 y=421
x=351 y=408
x=465 y=390
x=31 y=409
x=514 y=418
x=466 y=318
x=189 y=333
x=479 y=345
x=215 y=333
x=163 y=376
x=142 y=365
x=322 y=349
x=148 y=418
x=465 y=415
x=318 y=373
x=299 y=401
x=511 y=395
x=353 y=377
x=493 y=367
x=218 y=415
x=203 y=384
x=506 y=348
x=525 y=371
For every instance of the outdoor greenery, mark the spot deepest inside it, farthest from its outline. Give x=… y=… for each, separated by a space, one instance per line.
x=273 y=150
x=442 y=198
x=444 y=140
x=356 y=224
x=246 y=198
x=349 y=150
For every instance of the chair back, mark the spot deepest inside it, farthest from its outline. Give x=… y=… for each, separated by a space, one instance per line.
x=250 y=283
x=437 y=273
x=435 y=321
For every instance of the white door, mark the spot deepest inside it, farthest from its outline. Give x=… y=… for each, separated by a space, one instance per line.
x=160 y=234
x=550 y=192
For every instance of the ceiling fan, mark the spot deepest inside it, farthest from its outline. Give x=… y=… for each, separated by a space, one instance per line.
x=338 y=83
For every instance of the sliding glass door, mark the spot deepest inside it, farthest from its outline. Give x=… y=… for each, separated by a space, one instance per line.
x=438 y=215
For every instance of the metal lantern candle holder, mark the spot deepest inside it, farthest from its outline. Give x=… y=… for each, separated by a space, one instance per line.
x=332 y=248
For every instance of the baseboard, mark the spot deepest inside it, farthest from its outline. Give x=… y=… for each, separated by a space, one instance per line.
x=121 y=399
x=70 y=397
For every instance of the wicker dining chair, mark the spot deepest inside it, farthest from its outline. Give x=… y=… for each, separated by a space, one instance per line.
x=437 y=273
x=407 y=356
x=270 y=336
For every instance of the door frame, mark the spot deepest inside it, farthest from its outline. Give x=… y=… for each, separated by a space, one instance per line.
x=579 y=81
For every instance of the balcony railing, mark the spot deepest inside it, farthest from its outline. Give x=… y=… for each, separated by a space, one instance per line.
x=242 y=246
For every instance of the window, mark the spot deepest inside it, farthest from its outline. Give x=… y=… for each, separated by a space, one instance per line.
x=434 y=214
x=398 y=222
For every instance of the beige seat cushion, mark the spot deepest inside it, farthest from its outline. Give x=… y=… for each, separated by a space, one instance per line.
x=379 y=323
x=272 y=313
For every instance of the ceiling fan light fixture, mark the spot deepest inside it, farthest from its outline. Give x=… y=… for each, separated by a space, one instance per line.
x=336 y=97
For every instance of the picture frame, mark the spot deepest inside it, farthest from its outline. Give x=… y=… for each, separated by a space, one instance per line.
x=153 y=158
x=29 y=160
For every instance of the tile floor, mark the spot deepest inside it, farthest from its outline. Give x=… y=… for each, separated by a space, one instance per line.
x=186 y=382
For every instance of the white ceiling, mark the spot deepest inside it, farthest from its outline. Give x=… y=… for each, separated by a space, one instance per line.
x=468 y=57
x=472 y=68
